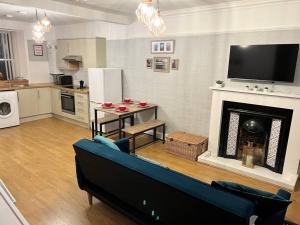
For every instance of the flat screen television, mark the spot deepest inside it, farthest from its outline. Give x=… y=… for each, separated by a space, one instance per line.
x=263 y=62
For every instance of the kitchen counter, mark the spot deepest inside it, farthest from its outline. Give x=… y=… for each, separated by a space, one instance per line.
x=44 y=85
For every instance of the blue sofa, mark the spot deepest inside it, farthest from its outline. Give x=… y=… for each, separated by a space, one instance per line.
x=152 y=194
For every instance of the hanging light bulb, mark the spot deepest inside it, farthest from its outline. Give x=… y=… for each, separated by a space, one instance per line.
x=157 y=25
x=37 y=32
x=46 y=23
x=145 y=12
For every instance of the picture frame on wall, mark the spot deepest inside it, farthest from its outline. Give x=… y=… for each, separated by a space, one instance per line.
x=149 y=63
x=161 y=64
x=174 y=64
x=164 y=46
x=38 y=50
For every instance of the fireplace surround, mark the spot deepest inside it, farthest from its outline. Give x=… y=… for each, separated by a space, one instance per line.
x=265 y=128
x=285 y=172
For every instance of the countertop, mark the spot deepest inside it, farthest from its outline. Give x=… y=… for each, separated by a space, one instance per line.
x=44 y=85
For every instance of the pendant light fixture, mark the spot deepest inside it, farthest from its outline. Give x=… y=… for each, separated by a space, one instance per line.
x=147 y=14
x=46 y=23
x=157 y=25
x=38 y=33
x=145 y=11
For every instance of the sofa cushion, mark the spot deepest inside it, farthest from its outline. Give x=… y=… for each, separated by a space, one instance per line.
x=107 y=142
x=266 y=203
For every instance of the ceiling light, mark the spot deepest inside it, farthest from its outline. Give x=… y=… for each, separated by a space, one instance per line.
x=9 y=15
x=145 y=11
x=37 y=32
x=22 y=12
x=46 y=24
x=157 y=25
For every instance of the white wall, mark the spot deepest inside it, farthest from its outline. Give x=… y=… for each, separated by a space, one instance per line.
x=203 y=38
x=110 y=31
x=34 y=71
x=227 y=18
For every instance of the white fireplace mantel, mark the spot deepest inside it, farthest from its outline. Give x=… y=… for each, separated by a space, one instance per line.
x=289 y=175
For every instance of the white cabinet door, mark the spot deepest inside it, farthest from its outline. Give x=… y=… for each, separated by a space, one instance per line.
x=56 y=101
x=75 y=46
x=28 y=105
x=81 y=107
x=44 y=100
x=61 y=52
x=89 y=56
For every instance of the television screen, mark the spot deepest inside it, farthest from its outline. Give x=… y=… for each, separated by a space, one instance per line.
x=263 y=62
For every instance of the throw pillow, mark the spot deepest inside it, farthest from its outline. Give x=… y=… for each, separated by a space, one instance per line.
x=106 y=142
x=266 y=203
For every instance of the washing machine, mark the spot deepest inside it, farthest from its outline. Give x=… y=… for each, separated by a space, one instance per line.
x=9 y=110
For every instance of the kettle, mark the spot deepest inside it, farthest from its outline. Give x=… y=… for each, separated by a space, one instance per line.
x=81 y=84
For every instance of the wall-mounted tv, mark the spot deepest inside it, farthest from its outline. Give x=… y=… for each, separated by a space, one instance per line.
x=263 y=62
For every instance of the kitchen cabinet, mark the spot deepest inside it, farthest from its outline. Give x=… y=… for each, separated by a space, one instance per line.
x=56 y=101
x=27 y=102
x=92 y=50
x=81 y=108
x=34 y=101
x=61 y=52
x=44 y=100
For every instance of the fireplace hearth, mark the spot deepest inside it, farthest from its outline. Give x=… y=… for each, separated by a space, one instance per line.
x=255 y=135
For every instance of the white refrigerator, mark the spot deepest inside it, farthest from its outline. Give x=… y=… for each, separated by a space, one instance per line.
x=105 y=85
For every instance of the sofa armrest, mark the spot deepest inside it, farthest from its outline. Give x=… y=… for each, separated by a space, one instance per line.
x=123 y=144
x=284 y=194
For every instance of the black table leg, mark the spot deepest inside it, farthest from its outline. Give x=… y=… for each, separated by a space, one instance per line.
x=101 y=132
x=96 y=123
x=120 y=127
x=132 y=120
x=155 y=111
x=154 y=134
x=164 y=133
x=93 y=130
x=133 y=144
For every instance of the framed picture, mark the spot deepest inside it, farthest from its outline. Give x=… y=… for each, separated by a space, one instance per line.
x=161 y=64
x=149 y=63
x=166 y=47
x=38 y=50
x=174 y=64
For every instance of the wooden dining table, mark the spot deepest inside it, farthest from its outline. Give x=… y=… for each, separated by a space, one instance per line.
x=133 y=108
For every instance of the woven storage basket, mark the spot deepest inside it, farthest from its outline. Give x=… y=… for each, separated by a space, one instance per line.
x=186 y=145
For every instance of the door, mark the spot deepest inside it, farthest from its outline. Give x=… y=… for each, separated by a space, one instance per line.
x=28 y=99
x=44 y=100
x=56 y=101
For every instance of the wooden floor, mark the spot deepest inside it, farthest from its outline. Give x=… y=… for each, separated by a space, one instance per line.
x=37 y=165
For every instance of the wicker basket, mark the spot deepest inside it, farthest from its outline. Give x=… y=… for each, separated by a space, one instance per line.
x=186 y=145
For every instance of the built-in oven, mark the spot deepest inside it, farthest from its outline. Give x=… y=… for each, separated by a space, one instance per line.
x=67 y=102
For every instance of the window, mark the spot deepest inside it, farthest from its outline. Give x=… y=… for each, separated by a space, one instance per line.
x=7 y=61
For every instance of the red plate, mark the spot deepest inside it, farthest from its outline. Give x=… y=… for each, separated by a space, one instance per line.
x=108 y=107
x=118 y=110
x=131 y=102
x=144 y=106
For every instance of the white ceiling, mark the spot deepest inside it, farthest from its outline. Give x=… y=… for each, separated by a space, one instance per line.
x=128 y=7
x=55 y=17
x=63 y=12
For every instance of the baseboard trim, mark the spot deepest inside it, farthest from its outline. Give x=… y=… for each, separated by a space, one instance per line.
x=85 y=125
x=33 y=118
